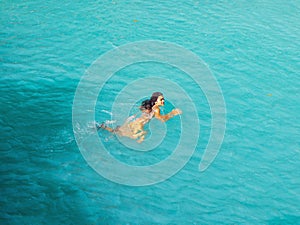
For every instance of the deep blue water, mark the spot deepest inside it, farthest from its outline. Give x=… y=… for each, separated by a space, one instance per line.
x=251 y=48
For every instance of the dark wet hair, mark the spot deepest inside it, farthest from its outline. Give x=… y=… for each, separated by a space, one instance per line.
x=154 y=97
x=146 y=105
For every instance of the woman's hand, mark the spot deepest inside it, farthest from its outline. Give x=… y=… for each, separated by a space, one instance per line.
x=175 y=112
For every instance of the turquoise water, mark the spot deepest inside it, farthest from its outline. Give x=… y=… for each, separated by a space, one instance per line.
x=252 y=48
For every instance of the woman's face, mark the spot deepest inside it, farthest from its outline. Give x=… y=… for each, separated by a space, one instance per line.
x=160 y=101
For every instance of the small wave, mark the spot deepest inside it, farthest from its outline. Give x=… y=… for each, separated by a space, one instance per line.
x=107 y=112
x=110 y=122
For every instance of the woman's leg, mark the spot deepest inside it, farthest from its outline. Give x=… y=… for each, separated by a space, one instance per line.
x=104 y=127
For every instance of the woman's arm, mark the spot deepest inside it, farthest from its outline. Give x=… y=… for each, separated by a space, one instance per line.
x=166 y=117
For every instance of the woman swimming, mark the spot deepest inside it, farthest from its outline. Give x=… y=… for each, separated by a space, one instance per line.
x=150 y=108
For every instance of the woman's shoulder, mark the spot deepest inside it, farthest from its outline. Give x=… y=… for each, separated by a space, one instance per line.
x=155 y=109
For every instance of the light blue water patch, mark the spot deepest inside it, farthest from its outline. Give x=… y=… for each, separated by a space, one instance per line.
x=252 y=48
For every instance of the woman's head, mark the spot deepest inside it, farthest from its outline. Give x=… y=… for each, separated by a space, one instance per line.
x=157 y=98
